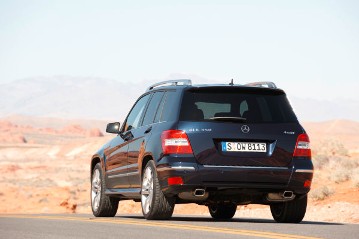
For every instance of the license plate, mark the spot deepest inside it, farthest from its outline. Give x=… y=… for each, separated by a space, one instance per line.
x=244 y=147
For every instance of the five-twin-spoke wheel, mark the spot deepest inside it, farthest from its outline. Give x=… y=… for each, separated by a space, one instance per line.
x=101 y=204
x=155 y=205
x=147 y=190
x=96 y=189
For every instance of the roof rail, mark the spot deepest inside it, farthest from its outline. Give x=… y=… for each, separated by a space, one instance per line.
x=264 y=84
x=170 y=82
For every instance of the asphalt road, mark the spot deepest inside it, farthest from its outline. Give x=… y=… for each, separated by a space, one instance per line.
x=134 y=226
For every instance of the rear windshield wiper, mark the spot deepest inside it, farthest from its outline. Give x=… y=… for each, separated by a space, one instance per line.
x=229 y=119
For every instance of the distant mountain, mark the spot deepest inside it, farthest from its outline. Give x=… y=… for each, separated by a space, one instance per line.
x=68 y=97
x=104 y=99
x=322 y=110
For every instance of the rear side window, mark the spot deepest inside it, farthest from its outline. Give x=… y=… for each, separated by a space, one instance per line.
x=152 y=108
x=169 y=106
x=254 y=107
x=160 y=108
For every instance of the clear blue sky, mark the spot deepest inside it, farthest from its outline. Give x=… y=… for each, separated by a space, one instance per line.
x=310 y=48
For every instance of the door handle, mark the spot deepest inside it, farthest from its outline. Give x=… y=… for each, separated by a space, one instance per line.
x=148 y=130
x=127 y=136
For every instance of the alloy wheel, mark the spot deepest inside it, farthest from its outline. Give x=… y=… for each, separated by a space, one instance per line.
x=96 y=190
x=147 y=190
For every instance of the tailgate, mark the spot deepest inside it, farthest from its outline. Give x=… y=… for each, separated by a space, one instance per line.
x=225 y=143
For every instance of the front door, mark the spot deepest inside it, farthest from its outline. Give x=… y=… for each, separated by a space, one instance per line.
x=116 y=163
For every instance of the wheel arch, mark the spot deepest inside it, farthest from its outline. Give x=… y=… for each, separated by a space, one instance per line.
x=96 y=159
x=145 y=160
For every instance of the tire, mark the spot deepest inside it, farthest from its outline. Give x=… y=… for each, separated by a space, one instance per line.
x=222 y=211
x=155 y=205
x=290 y=212
x=101 y=204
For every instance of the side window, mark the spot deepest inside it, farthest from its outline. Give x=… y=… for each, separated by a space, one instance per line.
x=152 y=108
x=169 y=106
x=160 y=108
x=133 y=119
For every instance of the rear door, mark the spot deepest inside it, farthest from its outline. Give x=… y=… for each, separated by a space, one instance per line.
x=138 y=140
x=239 y=126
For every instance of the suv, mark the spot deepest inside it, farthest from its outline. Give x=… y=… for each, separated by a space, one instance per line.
x=214 y=145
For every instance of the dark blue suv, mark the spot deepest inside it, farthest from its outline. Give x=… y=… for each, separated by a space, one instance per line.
x=214 y=145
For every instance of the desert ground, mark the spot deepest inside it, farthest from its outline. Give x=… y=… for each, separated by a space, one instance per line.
x=44 y=168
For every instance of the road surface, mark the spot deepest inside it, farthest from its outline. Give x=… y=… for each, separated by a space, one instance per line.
x=134 y=226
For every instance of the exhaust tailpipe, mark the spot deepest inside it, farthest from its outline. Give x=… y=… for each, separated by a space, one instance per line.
x=199 y=192
x=197 y=195
x=281 y=196
x=288 y=195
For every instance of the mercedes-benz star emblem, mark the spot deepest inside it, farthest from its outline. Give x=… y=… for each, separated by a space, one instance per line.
x=245 y=128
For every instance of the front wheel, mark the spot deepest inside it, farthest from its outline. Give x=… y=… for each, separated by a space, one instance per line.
x=222 y=211
x=290 y=212
x=155 y=205
x=101 y=204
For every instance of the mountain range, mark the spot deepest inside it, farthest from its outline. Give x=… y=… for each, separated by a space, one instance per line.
x=105 y=99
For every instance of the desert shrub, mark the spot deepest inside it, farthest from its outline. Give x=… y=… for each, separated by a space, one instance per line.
x=321 y=193
x=343 y=162
x=341 y=168
x=329 y=154
x=320 y=161
x=349 y=163
x=331 y=147
x=341 y=175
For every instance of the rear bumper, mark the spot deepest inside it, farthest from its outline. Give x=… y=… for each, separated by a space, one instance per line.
x=214 y=178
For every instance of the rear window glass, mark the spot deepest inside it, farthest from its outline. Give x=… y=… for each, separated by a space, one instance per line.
x=254 y=107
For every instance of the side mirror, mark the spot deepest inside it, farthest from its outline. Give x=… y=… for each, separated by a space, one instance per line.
x=113 y=128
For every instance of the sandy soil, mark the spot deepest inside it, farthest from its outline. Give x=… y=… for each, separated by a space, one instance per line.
x=46 y=170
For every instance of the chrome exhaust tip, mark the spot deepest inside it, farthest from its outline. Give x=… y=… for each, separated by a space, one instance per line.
x=288 y=195
x=281 y=196
x=196 y=195
x=199 y=192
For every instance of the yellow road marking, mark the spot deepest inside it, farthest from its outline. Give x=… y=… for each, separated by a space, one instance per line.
x=243 y=232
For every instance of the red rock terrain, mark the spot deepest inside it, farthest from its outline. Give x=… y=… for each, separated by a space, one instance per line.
x=46 y=170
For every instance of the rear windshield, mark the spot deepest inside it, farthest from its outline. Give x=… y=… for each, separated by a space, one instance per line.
x=253 y=107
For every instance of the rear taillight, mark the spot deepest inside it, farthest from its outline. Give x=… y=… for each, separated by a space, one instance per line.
x=302 y=147
x=175 y=142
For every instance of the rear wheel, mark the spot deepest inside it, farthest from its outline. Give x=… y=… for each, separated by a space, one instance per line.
x=101 y=204
x=290 y=212
x=222 y=211
x=155 y=205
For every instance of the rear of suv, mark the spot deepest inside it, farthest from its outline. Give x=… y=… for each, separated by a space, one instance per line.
x=214 y=145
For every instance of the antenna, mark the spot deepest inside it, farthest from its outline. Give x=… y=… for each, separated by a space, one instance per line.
x=231 y=82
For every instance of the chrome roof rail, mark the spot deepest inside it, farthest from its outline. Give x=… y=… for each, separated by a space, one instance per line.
x=170 y=82
x=264 y=84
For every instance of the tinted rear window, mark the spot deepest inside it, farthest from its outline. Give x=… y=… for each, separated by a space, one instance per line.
x=255 y=107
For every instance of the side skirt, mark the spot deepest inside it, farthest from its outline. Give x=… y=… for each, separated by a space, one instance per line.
x=125 y=193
